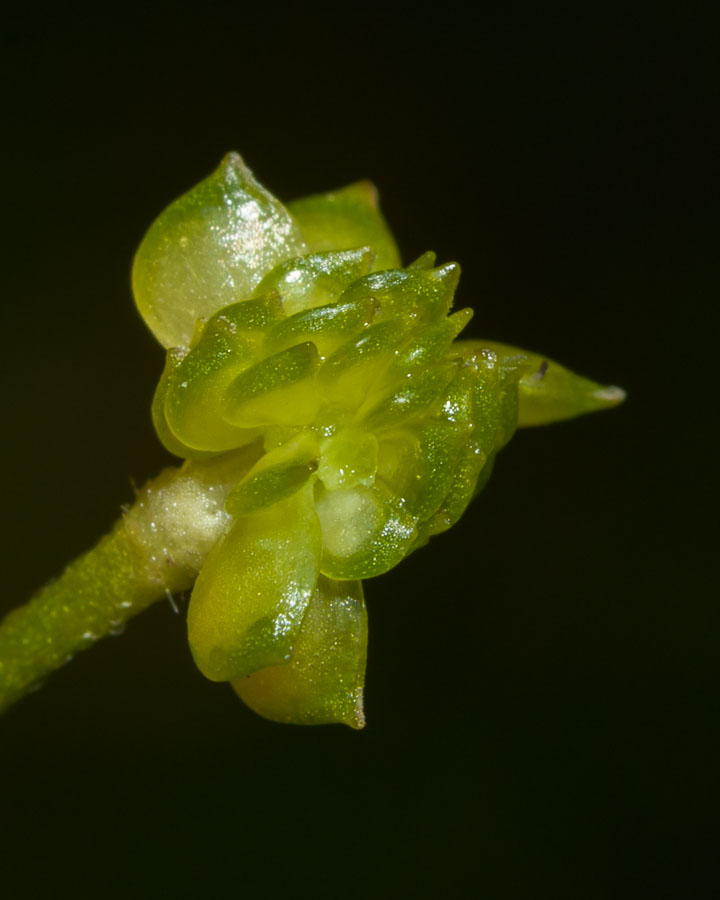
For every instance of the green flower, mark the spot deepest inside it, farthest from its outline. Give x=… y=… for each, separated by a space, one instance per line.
x=362 y=426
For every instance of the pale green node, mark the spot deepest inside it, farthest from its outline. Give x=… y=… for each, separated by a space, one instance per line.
x=251 y=595
x=412 y=295
x=210 y=248
x=346 y=219
x=328 y=327
x=426 y=260
x=322 y=683
x=366 y=531
x=280 y=390
x=347 y=459
x=547 y=391
x=315 y=279
x=277 y=475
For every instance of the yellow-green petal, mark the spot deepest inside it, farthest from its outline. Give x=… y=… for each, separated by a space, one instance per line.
x=346 y=219
x=208 y=249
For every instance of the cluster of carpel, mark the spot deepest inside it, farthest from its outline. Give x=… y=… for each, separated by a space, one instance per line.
x=360 y=426
x=371 y=431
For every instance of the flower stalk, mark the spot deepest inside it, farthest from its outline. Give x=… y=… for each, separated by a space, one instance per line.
x=157 y=548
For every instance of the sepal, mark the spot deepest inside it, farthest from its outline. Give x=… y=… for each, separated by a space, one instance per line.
x=323 y=681
x=547 y=391
x=251 y=595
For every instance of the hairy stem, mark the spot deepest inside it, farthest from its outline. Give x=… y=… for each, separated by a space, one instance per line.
x=94 y=596
x=156 y=548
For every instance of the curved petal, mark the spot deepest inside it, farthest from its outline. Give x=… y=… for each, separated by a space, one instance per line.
x=345 y=219
x=208 y=249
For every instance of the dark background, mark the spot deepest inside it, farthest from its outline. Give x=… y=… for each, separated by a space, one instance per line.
x=542 y=682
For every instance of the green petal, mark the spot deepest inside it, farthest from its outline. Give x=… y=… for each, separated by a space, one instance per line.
x=548 y=392
x=208 y=249
x=252 y=592
x=345 y=219
x=323 y=681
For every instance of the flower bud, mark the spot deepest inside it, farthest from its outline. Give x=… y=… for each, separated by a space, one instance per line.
x=367 y=427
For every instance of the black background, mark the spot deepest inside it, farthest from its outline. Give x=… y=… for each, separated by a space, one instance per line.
x=542 y=681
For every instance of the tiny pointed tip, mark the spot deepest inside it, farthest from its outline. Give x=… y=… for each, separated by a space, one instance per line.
x=612 y=395
x=357 y=723
x=367 y=190
x=355 y=715
x=368 y=260
x=233 y=158
x=233 y=166
x=449 y=271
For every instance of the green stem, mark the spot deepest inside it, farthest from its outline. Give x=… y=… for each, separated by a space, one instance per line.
x=156 y=548
x=94 y=596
